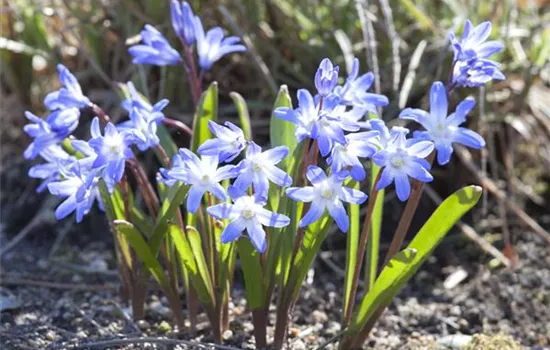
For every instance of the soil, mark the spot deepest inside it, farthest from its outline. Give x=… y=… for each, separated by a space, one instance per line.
x=70 y=300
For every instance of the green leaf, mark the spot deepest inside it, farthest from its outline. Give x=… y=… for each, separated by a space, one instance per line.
x=244 y=116
x=373 y=243
x=403 y=266
x=281 y=132
x=174 y=198
x=311 y=243
x=188 y=247
x=351 y=246
x=207 y=109
x=143 y=252
x=252 y=270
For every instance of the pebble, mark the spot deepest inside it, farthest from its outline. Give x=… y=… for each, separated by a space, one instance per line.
x=228 y=334
x=319 y=317
x=50 y=335
x=81 y=334
x=143 y=325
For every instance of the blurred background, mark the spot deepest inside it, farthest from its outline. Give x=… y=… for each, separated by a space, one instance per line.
x=403 y=42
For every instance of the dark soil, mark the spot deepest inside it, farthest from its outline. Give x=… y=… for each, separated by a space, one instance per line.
x=71 y=300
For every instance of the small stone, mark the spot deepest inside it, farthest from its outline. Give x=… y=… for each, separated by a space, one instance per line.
x=294 y=332
x=415 y=335
x=50 y=335
x=463 y=323
x=319 y=317
x=228 y=334
x=333 y=328
x=76 y=278
x=455 y=310
x=143 y=325
x=298 y=345
x=81 y=334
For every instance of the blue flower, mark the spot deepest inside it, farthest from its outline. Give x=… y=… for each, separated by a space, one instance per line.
x=203 y=175
x=212 y=46
x=155 y=49
x=183 y=21
x=471 y=64
x=326 y=77
x=112 y=149
x=227 y=145
x=57 y=160
x=247 y=213
x=473 y=42
x=359 y=145
x=258 y=168
x=476 y=72
x=49 y=132
x=326 y=193
x=144 y=127
x=444 y=130
x=136 y=100
x=354 y=92
x=325 y=123
x=79 y=188
x=70 y=95
x=402 y=158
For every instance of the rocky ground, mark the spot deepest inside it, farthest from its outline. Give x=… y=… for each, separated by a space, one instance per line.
x=69 y=301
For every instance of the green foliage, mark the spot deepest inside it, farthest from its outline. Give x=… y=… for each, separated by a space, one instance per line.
x=403 y=266
x=207 y=109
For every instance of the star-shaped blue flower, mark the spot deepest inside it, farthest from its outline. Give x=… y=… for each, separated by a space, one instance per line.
x=213 y=45
x=442 y=129
x=401 y=159
x=227 y=145
x=327 y=193
x=203 y=175
x=258 y=168
x=154 y=50
x=69 y=96
x=247 y=213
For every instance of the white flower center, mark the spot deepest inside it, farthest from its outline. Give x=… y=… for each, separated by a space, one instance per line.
x=248 y=213
x=205 y=179
x=326 y=193
x=397 y=161
x=256 y=167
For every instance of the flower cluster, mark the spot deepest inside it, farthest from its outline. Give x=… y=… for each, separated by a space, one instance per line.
x=338 y=122
x=73 y=168
x=471 y=65
x=211 y=45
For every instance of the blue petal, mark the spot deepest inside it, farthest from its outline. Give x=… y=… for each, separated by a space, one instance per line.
x=469 y=138
x=418 y=172
x=257 y=235
x=351 y=195
x=194 y=198
x=402 y=187
x=315 y=174
x=438 y=101
x=314 y=213
x=421 y=149
x=444 y=152
x=301 y=194
x=271 y=219
x=386 y=178
x=338 y=213
x=277 y=175
x=65 y=208
x=221 y=211
x=233 y=230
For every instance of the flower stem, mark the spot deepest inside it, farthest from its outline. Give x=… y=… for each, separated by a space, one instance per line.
x=194 y=81
x=100 y=113
x=178 y=125
x=361 y=250
x=406 y=217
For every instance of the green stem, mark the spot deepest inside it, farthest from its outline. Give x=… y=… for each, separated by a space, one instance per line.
x=361 y=252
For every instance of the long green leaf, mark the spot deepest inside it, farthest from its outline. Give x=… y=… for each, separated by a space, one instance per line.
x=174 y=198
x=351 y=247
x=244 y=115
x=252 y=270
x=143 y=252
x=373 y=243
x=207 y=109
x=188 y=247
x=395 y=275
x=281 y=132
